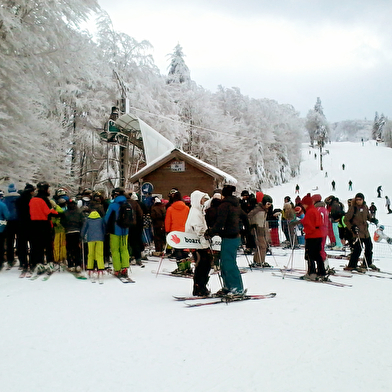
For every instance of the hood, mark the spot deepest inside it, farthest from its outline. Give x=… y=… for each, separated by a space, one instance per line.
x=179 y=205
x=120 y=199
x=196 y=197
x=232 y=200
x=94 y=215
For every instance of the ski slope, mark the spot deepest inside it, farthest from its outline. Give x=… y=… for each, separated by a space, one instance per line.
x=71 y=335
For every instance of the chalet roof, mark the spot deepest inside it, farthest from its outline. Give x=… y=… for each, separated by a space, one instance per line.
x=176 y=153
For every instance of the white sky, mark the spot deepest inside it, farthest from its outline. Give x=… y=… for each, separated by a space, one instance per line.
x=292 y=51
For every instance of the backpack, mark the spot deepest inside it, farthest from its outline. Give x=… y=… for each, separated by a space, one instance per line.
x=126 y=216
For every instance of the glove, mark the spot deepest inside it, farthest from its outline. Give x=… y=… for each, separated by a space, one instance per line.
x=355 y=229
x=207 y=234
x=375 y=221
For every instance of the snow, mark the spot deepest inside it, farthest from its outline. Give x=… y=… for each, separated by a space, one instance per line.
x=71 y=335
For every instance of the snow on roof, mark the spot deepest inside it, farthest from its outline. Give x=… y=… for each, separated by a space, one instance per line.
x=206 y=167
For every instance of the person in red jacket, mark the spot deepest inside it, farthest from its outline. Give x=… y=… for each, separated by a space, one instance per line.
x=312 y=223
x=41 y=243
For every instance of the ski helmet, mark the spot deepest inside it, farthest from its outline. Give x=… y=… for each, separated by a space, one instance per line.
x=381 y=227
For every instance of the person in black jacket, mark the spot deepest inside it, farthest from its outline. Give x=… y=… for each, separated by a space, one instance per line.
x=228 y=226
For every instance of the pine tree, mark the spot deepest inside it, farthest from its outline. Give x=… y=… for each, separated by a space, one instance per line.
x=178 y=70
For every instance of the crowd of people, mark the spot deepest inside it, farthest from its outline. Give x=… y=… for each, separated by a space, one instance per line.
x=46 y=231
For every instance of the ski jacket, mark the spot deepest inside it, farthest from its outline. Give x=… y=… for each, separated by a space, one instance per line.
x=320 y=206
x=94 y=227
x=212 y=212
x=158 y=213
x=176 y=216
x=10 y=201
x=22 y=205
x=39 y=210
x=380 y=235
x=196 y=222
x=231 y=219
x=73 y=220
x=258 y=221
x=4 y=215
x=358 y=216
x=112 y=215
x=312 y=223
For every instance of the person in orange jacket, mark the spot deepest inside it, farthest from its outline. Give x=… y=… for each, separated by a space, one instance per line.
x=176 y=216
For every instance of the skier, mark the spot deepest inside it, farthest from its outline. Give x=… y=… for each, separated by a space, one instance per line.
x=373 y=210
x=118 y=235
x=356 y=221
x=379 y=190
x=388 y=204
x=260 y=229
x=350 y=185
x=227 y=225
x=4 y=215
x=196 y=224
x=158 y=212
x=343 y=166
x=320 y=205
x=333 y=184
x=94 y=229
x=313 y=238
x=380 y=235
x=297 y=189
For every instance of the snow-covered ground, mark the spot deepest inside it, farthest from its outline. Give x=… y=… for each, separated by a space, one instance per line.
x=71 y=335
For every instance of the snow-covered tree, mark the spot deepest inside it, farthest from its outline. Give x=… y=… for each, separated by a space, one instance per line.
x=378 y=124
x=178 y=70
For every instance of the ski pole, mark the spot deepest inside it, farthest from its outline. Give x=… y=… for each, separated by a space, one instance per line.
x=363 y=249
x=160 y=261
x=218 y=272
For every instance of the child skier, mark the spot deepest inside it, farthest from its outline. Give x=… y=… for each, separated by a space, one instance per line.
x=94 y=229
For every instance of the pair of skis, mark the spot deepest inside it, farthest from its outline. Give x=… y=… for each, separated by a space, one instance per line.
x=299 y=277
x=192 y=302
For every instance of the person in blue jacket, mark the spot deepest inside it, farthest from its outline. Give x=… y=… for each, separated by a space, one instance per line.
x=4 y=215
x=118 y=235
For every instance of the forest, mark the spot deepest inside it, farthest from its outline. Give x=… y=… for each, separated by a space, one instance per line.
x=59 y=82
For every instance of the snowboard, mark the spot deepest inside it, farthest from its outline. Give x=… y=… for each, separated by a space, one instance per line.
x=181 y=240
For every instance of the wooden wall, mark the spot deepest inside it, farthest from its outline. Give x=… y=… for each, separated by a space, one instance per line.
x=163 y=179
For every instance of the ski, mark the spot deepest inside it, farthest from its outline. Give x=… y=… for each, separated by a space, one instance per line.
x=189 y=276
x=332 y=283
x=48 y=275
x=77 y=275
x=285 y=270
x=23 y=274
x=124 y=279
x=227 y=299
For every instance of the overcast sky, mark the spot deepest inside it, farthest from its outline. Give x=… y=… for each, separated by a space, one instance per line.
x=292 y=51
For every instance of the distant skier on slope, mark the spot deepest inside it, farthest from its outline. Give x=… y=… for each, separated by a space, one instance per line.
x=379 y=235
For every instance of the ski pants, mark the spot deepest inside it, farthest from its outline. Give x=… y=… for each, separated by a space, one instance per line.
x=357 y=249
x=261 y=249
x=23 y=240
x=313 y=256
x=12 y=234
x=203 y=265
x=230 y=273
x=119 y=250
x=59 y=247
x=335 y=229
x=2 y=246
x=41 y=242
x=73 y=249
x=95 y=252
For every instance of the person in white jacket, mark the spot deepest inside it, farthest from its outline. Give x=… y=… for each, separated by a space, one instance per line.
x=380 y=235
x=196 y=224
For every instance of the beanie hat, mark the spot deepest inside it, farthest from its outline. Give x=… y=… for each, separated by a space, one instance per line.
x=316 y=198
x=157 y=200
x=298 y=209
x=217 y=190
x=29 y=187
x=259 y=196
x=217 y=195
x=11 y=188
x=134 y=196
x=267 y=199
x=307 y=200
x=245 y=193
x=228 y=190
x=360 y=196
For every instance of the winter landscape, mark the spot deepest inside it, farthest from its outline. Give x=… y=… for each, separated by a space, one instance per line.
x=66 y=334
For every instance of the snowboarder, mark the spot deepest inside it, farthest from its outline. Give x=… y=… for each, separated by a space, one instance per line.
x=350 y=185
x=196 y=224
x=380 y=235
x=379 y=190
x=297 y=189
x=333 y=184
x=356 y=221
x=388 y=204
